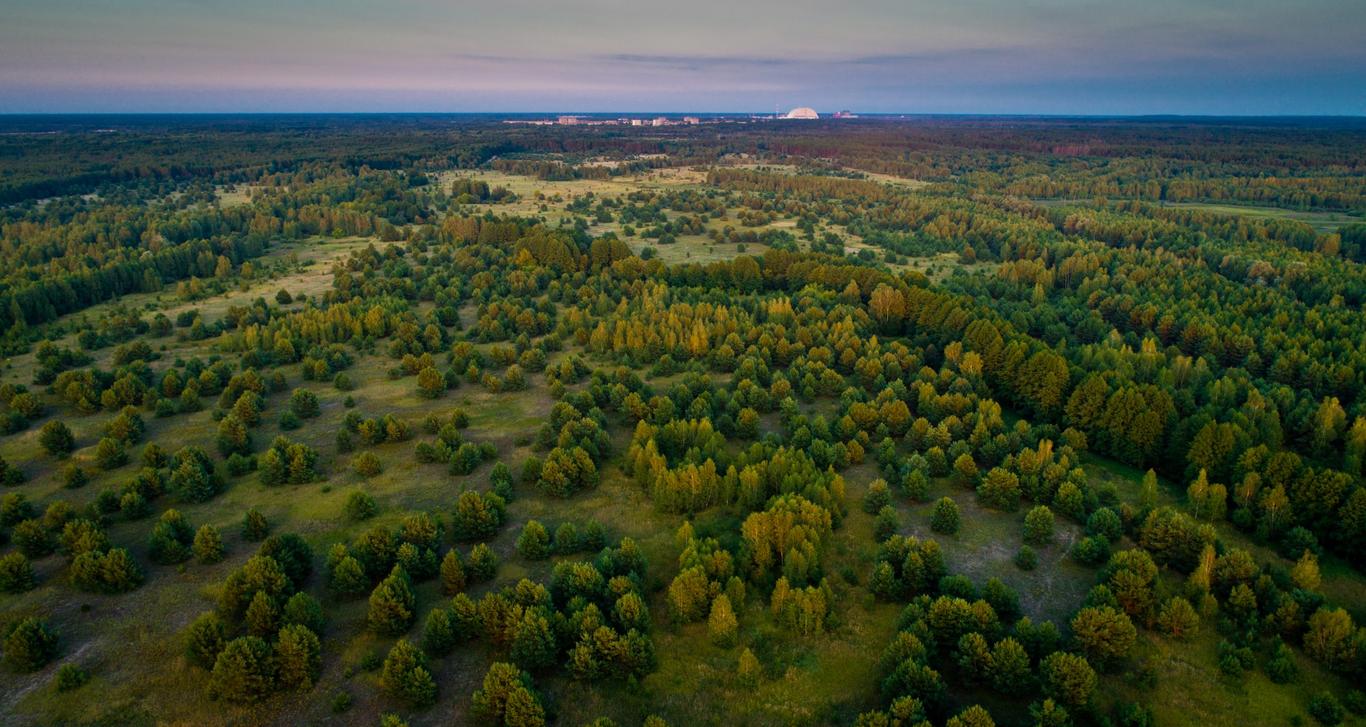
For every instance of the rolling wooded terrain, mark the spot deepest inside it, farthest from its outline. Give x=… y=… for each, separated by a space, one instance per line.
x=437 y=419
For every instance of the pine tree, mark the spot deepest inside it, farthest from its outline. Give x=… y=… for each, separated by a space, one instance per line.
x=945 y=517
x=1178 y=618
x=506 y=697
x=1009 y=671
x=438 y=633
x=974 y=716
x=534 y=542
x=1068 y=678
x=244 y=670
x=56 y=438
x=452 y=573
x=533 y=641
x=1104 y=633
x=391 y=604
x=304 y=610
x=208 y=544
x=30 y=645
x=360 y=505
x=481 y=564
x=348 y=577
x=263 y=616
x=16 y=573
x=1038 y=525
x=973 y=657
x=405 y=675
x=254 y=526
x=298 y=657
x=205 y=639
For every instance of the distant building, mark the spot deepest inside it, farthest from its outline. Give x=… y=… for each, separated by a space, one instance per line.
x=660 y=121
x=691 y=120
x=802 y=112
x=846 y=115
x=637 y=122
x=568 y=120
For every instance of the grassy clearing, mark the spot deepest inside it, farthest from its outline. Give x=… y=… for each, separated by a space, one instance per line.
x=1323 y=221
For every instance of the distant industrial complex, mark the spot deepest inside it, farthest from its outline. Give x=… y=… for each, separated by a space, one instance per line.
x=798 y=113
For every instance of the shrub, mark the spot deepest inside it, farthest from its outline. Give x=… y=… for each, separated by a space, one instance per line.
x=71 y=676
x=1324 y=708
x=1026 y=559
x=1281 y=667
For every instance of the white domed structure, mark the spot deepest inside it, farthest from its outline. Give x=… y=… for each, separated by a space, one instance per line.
x=802 y=112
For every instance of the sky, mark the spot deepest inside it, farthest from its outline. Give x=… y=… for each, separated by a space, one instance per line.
x=1101 y=57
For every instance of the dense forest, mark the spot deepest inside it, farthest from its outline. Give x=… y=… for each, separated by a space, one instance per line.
x=438 y=419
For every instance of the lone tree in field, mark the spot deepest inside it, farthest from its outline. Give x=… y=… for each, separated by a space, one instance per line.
x=534 y=542
x=1038 y=525
x=945 y=516
x=208 y=544
x=56 y=438
x=30 y=645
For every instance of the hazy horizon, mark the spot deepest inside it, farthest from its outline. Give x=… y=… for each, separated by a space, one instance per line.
x=1051 y=57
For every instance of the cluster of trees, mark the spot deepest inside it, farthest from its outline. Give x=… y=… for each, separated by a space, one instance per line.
x=263 y=638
